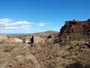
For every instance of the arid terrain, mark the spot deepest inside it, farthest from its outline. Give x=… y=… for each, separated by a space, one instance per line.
x=68 y=48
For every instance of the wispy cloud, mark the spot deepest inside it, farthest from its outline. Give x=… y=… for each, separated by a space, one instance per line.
x=8 y=24
x=41 y=24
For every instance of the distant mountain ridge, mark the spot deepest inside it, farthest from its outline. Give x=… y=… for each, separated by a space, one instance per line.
x=21 y=34
x=13 y=34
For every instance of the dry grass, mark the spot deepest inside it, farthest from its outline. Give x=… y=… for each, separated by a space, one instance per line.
x=41 y=55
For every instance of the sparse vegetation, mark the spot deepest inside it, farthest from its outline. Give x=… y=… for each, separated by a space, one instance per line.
x=42 y=55
x=77 y=37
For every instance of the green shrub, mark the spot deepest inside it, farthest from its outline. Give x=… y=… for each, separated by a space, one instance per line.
x=77 y=37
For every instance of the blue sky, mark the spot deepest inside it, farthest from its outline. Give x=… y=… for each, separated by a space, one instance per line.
x=29 y=16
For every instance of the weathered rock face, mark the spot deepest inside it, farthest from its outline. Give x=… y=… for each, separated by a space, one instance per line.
x=27 y=40
x=76 y=27
x=82 y=27
x=37 y=39
x=34 y=40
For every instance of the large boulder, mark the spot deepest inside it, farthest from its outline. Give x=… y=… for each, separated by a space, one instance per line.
x=37 y=39
x=34 y=39
x=27 y=40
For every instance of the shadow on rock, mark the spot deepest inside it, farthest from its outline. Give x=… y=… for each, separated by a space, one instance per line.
x=74 y=65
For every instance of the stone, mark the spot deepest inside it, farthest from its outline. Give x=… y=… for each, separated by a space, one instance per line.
x=75 y=27
x=14 y=40
x=36 y=39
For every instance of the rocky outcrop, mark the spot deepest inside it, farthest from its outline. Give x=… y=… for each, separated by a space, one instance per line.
x=82 y=27
x=34 y=40
x=75 y=27
x=14 y=40
x=37 y=39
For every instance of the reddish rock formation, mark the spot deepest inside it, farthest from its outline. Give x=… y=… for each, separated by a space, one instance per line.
x=77 y=27
x=82 y=27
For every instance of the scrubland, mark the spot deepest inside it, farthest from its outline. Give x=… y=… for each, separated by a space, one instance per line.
x=44 y=56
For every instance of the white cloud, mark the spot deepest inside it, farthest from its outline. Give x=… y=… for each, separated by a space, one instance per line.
x=8 y=24
x=41 y=24
x=5 y=20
